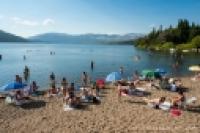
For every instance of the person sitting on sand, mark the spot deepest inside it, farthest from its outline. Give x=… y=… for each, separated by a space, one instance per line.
x=17 y=78
x=125 y=91
x=164 y=84
x=175 y=85
x=19 y=98
x=155 y=103
x=137 y=77
x=33 y=87
x=179 y=100
x=88 y=95
x=53 y=91
x=95 y=89
x=182 y=101
x=71 y=98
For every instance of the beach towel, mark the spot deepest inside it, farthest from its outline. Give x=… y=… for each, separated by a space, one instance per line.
x=175 y=112
x=67 y=108
x=191 y=100
x=138 y=92
x=165 y=106
x=8 y=100
x=90 y=99
x=188 y=101
x=140 y=89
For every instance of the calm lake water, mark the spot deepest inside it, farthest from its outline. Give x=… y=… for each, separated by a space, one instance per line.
x=70 y=60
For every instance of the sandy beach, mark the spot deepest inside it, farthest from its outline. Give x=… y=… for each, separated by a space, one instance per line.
x=112 y=115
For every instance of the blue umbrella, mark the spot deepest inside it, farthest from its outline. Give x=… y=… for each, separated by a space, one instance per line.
x=12 y=86
x=114 y=76
x=161 y=71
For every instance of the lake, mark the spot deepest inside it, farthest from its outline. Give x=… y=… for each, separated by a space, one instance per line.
x=70 y=60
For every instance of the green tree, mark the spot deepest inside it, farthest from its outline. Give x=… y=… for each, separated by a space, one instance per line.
x=183 y=30
x=196 y=41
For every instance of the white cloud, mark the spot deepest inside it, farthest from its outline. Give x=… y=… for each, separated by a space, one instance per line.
x=29 y=23
x=26 y=22
x=21 y=21
x=48 y=21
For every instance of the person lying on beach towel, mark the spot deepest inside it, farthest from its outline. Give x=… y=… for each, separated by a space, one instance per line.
x=154 y=103
x=130 y=90
x=182 y=102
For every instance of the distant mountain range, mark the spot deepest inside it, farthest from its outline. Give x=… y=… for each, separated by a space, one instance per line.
x=68 y=38
x=8 y=37
x=84 y=38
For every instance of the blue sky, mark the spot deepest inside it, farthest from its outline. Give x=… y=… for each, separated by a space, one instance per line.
x=29 y=17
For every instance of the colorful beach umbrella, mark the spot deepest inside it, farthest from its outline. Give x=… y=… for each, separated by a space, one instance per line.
x=195 y=68
x=12 y=86
x=114 y=76
x=100 y=82
x=150 y=74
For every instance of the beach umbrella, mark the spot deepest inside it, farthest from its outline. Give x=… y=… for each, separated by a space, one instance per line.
x=12 y=86
x=114 y=76
x=160 y=71
x=100 y=82
x=150 y=74
x=194 y=68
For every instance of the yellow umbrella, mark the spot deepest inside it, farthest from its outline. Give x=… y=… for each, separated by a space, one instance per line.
x=195 y=68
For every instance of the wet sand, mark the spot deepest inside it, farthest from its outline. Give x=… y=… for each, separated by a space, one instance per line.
x=112 y=115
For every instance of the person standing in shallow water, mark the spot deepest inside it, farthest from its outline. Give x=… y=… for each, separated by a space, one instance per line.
x=26 y=73
x=84 y=79
x=52 y=80
x=92 y=65
x=121 y=70
x=24 y=57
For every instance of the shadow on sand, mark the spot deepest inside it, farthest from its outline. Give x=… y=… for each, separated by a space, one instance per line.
x=82 y=107
x=136 y=102
x=194 y=109
x=34 y=104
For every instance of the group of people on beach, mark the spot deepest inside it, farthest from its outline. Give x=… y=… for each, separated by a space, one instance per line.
x=130 y=89
x=19 y=96
x=89 y=92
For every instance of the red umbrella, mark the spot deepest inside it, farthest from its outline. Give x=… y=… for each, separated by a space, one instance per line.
x=100 y=83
